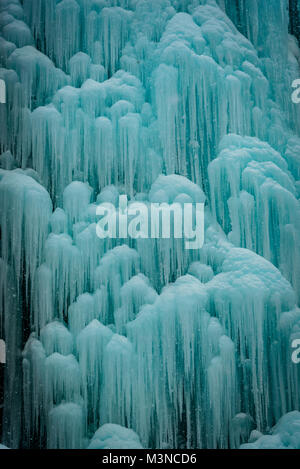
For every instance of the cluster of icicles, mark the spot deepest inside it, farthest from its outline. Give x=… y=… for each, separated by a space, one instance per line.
x=161 y=100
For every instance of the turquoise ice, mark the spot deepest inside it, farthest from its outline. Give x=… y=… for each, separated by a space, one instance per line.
x=142 y=343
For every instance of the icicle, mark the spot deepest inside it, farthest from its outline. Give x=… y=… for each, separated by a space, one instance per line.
x=92 y=250
x=115 y=269
x=7 y=161
x=170 y=258
x=11 y=332
x=56 y=338
x=242 y=425
x=261 y=188
x=263 y=294
x=76 y=197
x=40 y=79
x=64 y=261
x=6 y=48
x=79 y=66
x=113 y=28
x=176 y=385
x=91 y=343
x=104 y=152
x=18 y=33
x=66 y=427
x=46 y=122
x=43 y=297
x=67 y=31
x=135 y=293
x=33 y=383
x=86 y=308
x=117 y=389
x=62 y=379
x=25 y=213
x=58 y=221
x=202 y=272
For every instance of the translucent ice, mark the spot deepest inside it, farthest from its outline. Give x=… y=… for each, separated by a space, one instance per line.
x=111 y=436
x=285 y=435
x=142 y=341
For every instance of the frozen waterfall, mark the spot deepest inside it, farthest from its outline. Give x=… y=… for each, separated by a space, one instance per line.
x=131 y=343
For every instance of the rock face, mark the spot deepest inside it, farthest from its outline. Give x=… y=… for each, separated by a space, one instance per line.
x=142 y=342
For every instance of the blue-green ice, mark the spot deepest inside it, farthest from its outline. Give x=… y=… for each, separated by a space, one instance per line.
x=124 y=343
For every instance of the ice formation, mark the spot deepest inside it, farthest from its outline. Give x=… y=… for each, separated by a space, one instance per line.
x=285 y=435
x=111 y=436
x=130 y=343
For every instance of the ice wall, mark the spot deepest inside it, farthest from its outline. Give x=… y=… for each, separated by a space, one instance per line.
x=285 y=435
x=165 y=101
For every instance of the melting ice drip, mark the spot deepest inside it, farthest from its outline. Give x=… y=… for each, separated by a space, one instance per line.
x=143 y=342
